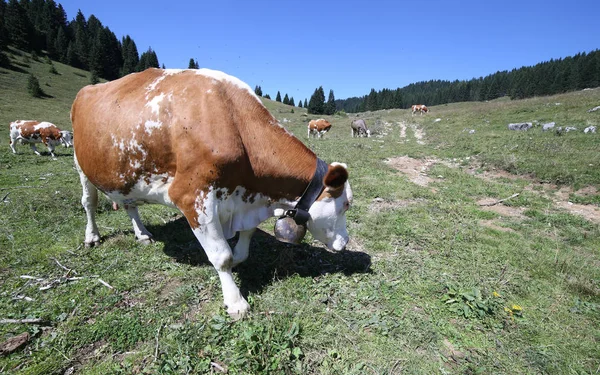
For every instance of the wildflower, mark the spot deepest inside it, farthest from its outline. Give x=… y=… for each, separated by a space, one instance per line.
x=495 y=294
x=517 y=308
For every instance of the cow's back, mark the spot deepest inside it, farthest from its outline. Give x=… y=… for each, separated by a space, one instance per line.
x=185 y=124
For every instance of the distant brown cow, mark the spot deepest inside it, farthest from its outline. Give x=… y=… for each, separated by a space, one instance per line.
x=318 y=127
x=32 y=132
x=422 y=108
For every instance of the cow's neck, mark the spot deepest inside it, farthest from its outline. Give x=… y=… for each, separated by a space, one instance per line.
x=281 y=165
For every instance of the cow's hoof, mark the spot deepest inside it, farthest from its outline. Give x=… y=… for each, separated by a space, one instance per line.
x=239 y=310
x=146 y=241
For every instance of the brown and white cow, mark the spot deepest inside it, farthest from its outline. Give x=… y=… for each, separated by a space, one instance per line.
x=359 y=128
x=32 y=132
x=422 y=108
x=318 y=127
x=202 y=142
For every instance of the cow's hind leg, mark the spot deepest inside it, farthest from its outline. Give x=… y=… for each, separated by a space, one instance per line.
x=242 y=247
x=89 y=201
x=141 y=233
x=34 y=149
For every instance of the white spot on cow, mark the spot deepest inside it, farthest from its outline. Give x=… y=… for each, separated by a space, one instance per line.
x=150 y=189
x=43 y=125
x=223 y=77
x=154 y=103
x=209 y=91
x=151 y=125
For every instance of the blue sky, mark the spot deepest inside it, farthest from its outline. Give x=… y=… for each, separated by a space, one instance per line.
x=350 y=46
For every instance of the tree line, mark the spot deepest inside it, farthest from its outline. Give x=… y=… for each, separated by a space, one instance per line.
x=41 y=25
x=546 y=78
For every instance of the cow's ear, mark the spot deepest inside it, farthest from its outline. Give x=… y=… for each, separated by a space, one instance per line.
x=336 y=176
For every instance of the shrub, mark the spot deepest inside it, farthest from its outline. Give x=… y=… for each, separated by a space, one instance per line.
x=33 y=87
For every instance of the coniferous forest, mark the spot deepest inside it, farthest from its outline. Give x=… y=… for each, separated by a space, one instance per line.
x=546 y=78
x=41 y=27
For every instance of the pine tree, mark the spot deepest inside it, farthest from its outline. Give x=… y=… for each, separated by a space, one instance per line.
x=292 y=101
x=81 y=46
x=330 y=106
x=317 y=102
x=286 y=99
x=300 y=104
x=305 y=103
x=18 y=26
x=131 y=57
x=258 y=90
x=267 y=96
x=148 y=59
x=278 y=97
x=61 y=44
x=193 y=64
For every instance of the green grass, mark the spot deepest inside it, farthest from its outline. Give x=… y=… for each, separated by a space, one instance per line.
x=426 y=288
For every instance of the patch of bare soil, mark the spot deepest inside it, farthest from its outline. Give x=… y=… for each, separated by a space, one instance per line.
x=414 y=169
x=493 y=225
x=380 y=204
x=486 y=205
x=417 y=172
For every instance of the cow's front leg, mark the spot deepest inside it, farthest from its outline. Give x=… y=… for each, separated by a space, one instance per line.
x=242 y=247
x=141 y=233
x=219 y=253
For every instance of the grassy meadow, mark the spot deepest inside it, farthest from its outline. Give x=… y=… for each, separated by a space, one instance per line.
x=472 y=252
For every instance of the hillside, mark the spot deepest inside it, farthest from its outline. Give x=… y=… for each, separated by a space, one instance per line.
x=474 y=249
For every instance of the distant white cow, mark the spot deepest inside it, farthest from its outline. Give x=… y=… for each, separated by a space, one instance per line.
x=359 y=128
x=32 y=132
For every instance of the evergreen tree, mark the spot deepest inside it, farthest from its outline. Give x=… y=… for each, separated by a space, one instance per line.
x=61 y=44
x=286 y=99
x=17 y=25
x=330 y=106
x=131 y=57
x=80 y=46
x=300 y=104
x=278 y=97
x=258 y=90
x=317 y=102
x=148 y=59
x=292 y=101
x=305 y=103
x=267 y=96
x=193 y=64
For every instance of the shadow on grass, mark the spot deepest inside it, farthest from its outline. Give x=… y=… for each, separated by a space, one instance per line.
x=268 y=257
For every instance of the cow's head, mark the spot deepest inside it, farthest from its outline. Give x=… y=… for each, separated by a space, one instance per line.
x=368 y=133
x=66 y=138
x=327 y=221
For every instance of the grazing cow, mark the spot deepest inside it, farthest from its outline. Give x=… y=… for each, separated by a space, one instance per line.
x=422 y=108
x=202 y=142
x=359 y=128
x=32 y=132
x=520 y=126
x=318 y=127
x=589 y=129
